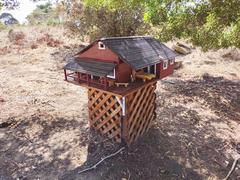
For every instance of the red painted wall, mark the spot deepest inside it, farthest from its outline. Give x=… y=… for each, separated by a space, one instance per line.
x=123 y=72
x=102 y=54
x=165 y=72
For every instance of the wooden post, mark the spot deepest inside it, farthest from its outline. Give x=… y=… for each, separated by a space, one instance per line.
x=105 y=83
x=65 y=74
x=88 y=83
x=79 y=78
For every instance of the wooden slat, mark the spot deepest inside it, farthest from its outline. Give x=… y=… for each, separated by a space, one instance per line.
x=96 y=98
x=136 y=96
x=150 y=111
x=104 y=108
x=137 y=108
x=107 y=92
x=102 y=102
x=149 y=123
x=139 y=121
x=91 y=92
x=110 y=117
x=111 y=126
x=115 y=133
x=146 y=115
x=105 y=113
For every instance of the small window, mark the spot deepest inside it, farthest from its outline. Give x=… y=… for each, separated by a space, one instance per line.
x=145 y=69
x=101 y=45
x=95 y=77
x=171 y=61
x=152 y=69
x=165 y=64
x=112 y=74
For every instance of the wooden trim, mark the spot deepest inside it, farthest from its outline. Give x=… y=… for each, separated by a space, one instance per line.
x=112 y=93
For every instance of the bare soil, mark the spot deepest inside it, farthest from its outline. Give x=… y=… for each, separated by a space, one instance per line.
x=44 y=131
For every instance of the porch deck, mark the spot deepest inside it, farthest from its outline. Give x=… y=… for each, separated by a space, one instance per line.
x=119 y=91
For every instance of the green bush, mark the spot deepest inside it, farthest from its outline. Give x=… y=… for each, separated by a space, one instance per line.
x=210 y=24
x=2 y=26
x=53 y=22
x=113 y=18
x=43 y=14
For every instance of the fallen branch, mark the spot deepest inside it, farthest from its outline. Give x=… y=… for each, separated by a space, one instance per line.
x=102 y=159
x=170 y=82
x=232 y=169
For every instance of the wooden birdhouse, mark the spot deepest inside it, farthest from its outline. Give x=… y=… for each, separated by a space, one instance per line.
x=121 y=74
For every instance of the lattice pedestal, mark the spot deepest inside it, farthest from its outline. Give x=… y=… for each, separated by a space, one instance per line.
x=122 y=117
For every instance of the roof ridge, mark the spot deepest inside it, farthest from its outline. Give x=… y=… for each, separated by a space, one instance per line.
x=125 y=37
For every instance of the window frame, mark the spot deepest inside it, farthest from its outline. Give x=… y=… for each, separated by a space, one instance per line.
x=155 y=69
x=100 y=44
x=171 y=61
x=149 y=69
x=114 y=74
x=165 y=64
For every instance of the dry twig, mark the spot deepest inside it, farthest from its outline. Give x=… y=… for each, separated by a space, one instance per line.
x=232 y=169
x=102 y=159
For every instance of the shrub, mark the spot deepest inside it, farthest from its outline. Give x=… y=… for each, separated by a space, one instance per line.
x=53 y=22
x=107 y=21
x=2 y=26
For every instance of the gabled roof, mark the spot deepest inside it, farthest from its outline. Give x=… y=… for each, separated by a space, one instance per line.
x=90 y=66
x=137 y=51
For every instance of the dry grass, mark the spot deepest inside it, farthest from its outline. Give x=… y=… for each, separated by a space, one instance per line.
x=224 y=62
x=197 y=126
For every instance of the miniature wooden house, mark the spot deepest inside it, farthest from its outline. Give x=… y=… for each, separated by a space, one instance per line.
x=121 y=74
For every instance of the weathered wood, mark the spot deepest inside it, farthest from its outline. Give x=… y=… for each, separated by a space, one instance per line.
x=107 y=115
x=140 y=114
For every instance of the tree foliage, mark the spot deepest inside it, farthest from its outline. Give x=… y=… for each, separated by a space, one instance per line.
x=107 y=18
x=44 y=14
x=211 y=24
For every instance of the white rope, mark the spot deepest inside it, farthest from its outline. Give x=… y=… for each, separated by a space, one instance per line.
x=232 y=169
x=102 y=159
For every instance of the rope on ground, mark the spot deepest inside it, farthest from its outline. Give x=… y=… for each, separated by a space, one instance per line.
x=102 y=159
x=232 y=169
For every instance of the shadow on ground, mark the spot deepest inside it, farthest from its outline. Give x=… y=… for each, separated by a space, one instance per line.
x=183 y=143
x=180 y=144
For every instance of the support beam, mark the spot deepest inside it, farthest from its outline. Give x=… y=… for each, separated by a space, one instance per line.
x=105 y=83
x=88 y=82
x=79 y=77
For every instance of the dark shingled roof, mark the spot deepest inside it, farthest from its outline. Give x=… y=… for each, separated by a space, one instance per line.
x=90 y=66
x=140 y=51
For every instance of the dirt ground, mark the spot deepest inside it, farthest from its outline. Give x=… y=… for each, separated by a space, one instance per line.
x=44 y=132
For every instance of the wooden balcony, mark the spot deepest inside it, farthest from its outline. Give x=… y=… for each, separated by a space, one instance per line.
x=86 y=80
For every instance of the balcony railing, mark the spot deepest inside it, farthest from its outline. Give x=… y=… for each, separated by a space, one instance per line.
x=82 y=78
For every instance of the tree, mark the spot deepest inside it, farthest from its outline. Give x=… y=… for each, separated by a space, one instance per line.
x=107 y=18
x=49 y=13
x=211 y=24
x=43 y=14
